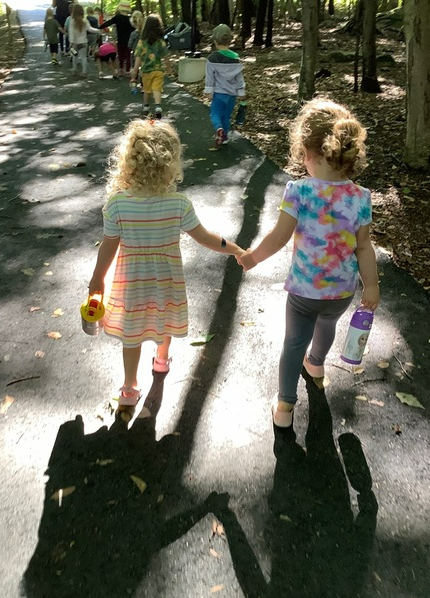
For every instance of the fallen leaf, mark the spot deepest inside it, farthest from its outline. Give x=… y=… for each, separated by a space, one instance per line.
x=139 y=483
x=358 y=370
x=45 y=235
x=57 y=313
x=383 y=365
x=199 y=159
x=244 y=196
x=214 y=526
x=397 y=429
x=220 y=530
x=376 y=402
x=40 y=354
x=54 y=335
x=46 y=263
x=376 y=576
x=28 y=271
x=100 y=411
x=217 y=588
x=285 y=518
x=247 y=323
x=62 y=493
x=49 y=273
x=103 y=462
x=214 y=553
x=213 y=149
x=409 y=400
x=33 y=309
x=6 y=358
x=7 y=402
x=361 y=398
x=160 y=498
x=202 y=340
x=54 y=167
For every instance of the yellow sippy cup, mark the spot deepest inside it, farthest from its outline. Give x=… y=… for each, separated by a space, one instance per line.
x=92 y=312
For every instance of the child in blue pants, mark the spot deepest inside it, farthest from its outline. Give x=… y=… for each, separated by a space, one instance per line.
x=224 y=82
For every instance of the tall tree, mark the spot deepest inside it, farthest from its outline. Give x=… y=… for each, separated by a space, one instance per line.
x=369 y=81
x=220 y=12
x=163 y=11
x=269 y=32
x=417 y=36
x=186 y=11
x=309 y=49
x=260 y=22
x=175 y=10
x=247 y=12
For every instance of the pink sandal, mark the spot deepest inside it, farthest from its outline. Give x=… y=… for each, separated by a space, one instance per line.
x=161 y=365
x=128 y=396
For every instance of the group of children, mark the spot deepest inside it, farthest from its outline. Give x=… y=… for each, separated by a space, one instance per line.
x=141 y=51
x=328 y=214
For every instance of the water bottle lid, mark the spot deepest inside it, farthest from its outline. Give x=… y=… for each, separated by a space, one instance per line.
x=362 y=318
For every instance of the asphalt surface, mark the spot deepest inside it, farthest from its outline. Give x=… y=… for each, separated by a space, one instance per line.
x=339 y=507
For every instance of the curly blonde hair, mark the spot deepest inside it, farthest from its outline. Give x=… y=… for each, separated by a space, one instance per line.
x=148 y=159
x=331 y=131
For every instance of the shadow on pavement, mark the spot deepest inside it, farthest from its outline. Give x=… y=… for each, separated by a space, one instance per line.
x=319 y=548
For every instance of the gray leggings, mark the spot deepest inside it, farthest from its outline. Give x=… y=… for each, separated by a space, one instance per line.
x=306 y=320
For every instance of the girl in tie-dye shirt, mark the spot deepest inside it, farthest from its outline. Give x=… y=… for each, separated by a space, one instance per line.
x=329 y=216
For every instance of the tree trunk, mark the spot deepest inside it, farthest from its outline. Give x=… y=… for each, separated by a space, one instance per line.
x=369 y=82
x=331 y=7
x=269 y=33
x=186 y=11
x=358 y=19
x=220 y=12
x=309 y=49
x=163 y=11
x=246 y=20
x=175 y=10
x=259 y=25
x=417 y=34
x=139 y=5
x=292 y=9
x=204 y=11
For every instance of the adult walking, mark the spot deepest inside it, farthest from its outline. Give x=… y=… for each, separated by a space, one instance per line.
x=61 y=13
x=124 y=29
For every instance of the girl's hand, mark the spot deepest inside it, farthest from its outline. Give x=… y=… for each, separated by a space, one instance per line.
x=96 y=286
x=247 y=261
x=370 y=297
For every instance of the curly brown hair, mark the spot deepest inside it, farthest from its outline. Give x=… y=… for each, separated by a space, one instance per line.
x=148 y=159
x=331 y=131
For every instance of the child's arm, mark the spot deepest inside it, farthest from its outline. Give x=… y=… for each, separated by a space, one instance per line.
x=272 y=243
x=136 y=68
x=367 y=268
x=209 y=80
x=105 y=258
x=214 y=241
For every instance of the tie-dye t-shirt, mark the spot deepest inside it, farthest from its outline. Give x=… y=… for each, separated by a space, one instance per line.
x=328 y=216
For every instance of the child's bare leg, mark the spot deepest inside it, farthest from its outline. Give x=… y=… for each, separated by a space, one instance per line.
x=163 y=350
x=131 y=359
x=157 y=97
x=113 y=65
x=147 y=97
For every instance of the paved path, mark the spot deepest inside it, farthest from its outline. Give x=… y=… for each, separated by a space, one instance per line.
x=337 y=508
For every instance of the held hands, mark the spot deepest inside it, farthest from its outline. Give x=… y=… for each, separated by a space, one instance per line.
x=370 y=297
x=246 y=260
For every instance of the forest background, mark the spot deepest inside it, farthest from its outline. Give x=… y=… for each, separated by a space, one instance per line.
x=371 y=55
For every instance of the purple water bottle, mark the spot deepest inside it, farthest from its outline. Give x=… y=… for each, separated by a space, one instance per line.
x=357 y=335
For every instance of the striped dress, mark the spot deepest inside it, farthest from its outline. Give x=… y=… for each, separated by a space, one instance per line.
x=148 y=298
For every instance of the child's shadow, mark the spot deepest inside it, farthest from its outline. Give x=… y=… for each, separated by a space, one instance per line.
x=319 y=548
x=97 y=537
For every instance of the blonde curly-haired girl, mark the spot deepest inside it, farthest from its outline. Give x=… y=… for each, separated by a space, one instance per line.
x=144 y=216
x=329 y=216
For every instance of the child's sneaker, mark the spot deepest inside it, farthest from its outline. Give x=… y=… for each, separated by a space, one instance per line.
x=158 y=112
x=100 y=74
x=224 y=139
x=241 y=114
x=146 y=110
x=115 y=75
x=219 y=137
